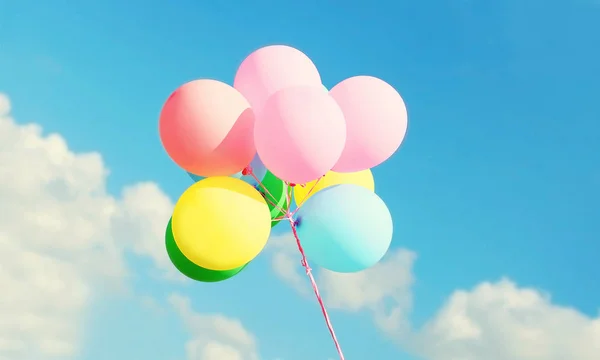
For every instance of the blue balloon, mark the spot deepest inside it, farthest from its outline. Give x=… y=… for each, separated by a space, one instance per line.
x=258 y=168
x=345 y=228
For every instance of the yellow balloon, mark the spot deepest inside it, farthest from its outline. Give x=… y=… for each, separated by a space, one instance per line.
x=221 y=223
x=363 y=178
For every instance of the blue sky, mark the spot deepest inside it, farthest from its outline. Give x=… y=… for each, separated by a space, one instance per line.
x=498 y=176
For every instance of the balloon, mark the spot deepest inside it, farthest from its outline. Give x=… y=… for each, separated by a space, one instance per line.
x=345 y=228
x=275 y=186
x=221 y=223
x=258 y=168
x=274 y=191
x=376 y=122
x=363 y=178
x=272 y=68
x=300 y=134
x=206 y=128
x=190 y=269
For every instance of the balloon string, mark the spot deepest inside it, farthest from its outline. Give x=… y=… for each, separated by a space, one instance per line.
x=248 y=171
x=288 y=196
x=314 y=286
x=273 y=204
x=312 y=188
x=289 y=215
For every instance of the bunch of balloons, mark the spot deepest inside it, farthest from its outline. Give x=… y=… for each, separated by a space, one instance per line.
x=278 y=136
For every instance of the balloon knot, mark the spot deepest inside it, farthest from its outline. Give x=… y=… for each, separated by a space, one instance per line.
x=247 y=170
x=292 y=184
x=305 y=266
x=297 y=222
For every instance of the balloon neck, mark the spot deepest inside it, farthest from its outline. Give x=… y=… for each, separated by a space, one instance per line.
x=297 y=222
x=247 y=170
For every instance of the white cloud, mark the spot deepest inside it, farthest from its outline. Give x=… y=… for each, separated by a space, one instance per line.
x=493 y=321
x=384 y=290
x=500 y=321
x=150 y=304
x=54 y=221
x=214 y=337
x=61 y=234
x=286 y=262
x=4 y=105
x=140 y=222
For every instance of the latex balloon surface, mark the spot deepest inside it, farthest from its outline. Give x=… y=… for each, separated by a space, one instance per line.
x=345 y=228
x=191 y=270
x=272 y=68
x=206 y=128
x=363 y=178
x=300 y=134
x=221 y=223
x=376 y=122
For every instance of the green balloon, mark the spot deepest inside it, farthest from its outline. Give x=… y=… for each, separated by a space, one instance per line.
x=191 y=270
x=275 y=195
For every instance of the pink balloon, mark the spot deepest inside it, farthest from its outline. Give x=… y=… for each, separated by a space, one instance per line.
x=300 y=134
x=272 y=68
x=206 y=127
x=376 y=122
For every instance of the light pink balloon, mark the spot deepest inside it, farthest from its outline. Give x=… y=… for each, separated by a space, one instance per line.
x=301 y=133
x=272 y=68
x=376 y=122
x=206 y=127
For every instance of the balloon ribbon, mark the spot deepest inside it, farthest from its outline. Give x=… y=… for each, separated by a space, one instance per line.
x=293 y=224
x=304 y=263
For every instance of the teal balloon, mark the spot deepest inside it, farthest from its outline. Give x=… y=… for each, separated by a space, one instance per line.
x=345 y=228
